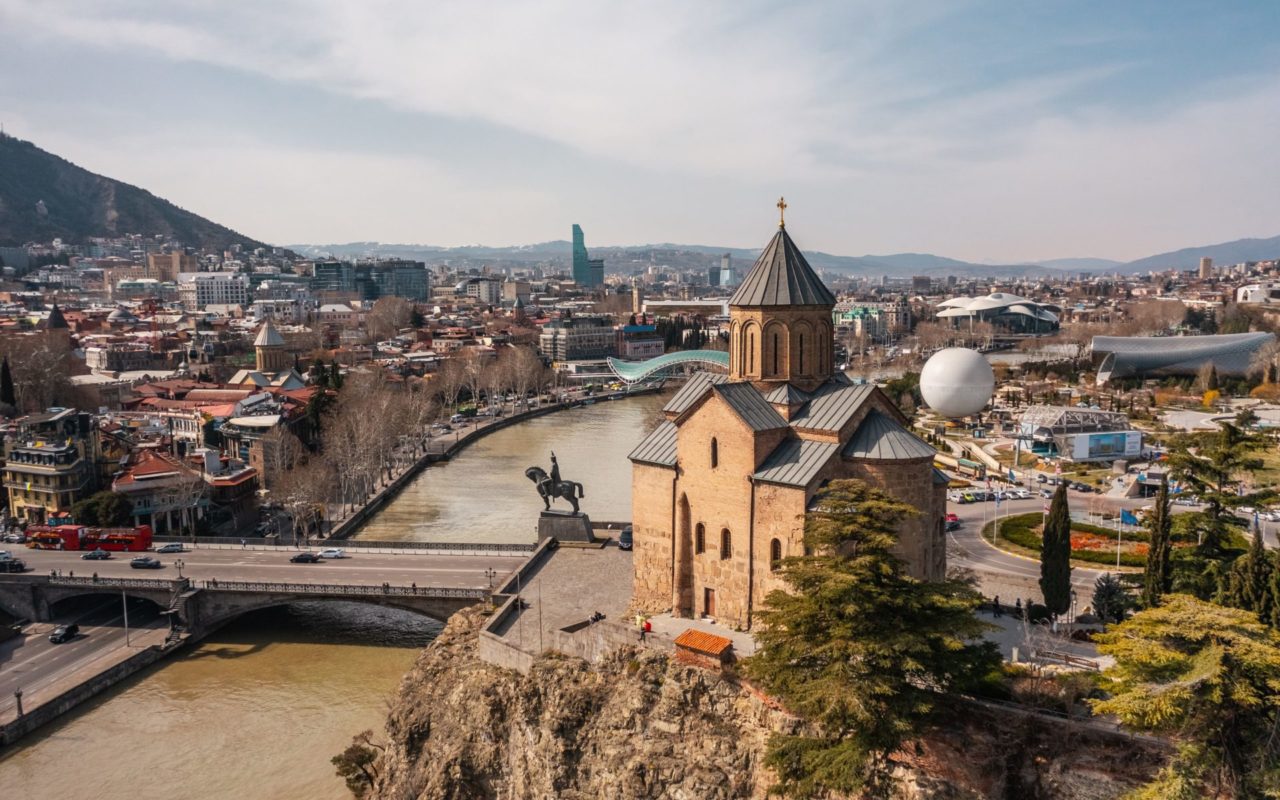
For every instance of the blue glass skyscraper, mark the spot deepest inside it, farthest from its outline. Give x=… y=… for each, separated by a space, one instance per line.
x=586 y=271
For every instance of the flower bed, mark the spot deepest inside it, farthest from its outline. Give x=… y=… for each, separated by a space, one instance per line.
x=1088 y=542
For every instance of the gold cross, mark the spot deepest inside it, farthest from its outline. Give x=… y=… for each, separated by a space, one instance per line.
x=782 y=213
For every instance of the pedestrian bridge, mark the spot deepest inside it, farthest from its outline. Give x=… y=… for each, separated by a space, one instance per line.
x=639 y=371
x=201 y=606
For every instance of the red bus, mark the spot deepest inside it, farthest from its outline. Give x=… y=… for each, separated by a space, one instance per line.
x=78 y=537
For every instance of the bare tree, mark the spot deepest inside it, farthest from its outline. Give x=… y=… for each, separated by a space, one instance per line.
x=448 y=381
x=388 y=316
x=280 y=451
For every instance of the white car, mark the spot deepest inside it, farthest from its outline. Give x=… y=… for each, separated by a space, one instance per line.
x=333 y=552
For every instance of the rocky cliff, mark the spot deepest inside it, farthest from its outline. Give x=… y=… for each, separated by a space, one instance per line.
x=640 y=725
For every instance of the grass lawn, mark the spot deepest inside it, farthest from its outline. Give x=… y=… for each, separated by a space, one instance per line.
x=1092 y=547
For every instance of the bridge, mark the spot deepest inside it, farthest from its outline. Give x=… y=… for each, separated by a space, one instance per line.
x=203 y=588
x=639 y=371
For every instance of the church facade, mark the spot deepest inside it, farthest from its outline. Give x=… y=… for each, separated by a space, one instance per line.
x=721 y=486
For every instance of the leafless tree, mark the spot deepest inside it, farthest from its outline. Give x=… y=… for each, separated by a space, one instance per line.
x=387 y=317
x=41 y=366
x=280 y=451
x=448 y=381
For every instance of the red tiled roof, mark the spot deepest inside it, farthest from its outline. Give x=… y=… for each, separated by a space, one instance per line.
x=703 y=642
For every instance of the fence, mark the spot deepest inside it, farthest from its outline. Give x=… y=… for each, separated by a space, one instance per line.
x=339 y=589
x=122 y=583
x=353 y=546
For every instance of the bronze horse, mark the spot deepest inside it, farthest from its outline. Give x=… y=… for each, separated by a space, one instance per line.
x=548 y=489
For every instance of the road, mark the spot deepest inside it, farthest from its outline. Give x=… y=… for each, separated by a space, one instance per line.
x=272 y=565
x=32 y=662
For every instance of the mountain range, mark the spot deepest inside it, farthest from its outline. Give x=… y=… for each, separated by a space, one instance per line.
x=43 y=196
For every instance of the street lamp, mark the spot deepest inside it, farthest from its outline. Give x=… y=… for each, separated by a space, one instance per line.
x=179 y=564
x=491 y=573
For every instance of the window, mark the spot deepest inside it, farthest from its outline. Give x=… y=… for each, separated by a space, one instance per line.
x=726 y=544
x=715 y=453
x=699 y=538
x=775 y=554
x=751 y=352
x=801 y=354
x=775 y=354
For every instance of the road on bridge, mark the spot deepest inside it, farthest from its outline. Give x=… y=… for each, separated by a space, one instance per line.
x=34 y=664
x=434 y=570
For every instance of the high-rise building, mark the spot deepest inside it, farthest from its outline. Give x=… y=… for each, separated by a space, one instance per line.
x=727 y=276
x=1206 y=268
x=587 y=271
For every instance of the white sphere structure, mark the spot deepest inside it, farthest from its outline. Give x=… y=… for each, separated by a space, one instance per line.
x=957 y=382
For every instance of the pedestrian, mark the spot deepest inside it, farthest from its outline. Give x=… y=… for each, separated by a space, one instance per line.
x=640 y=624
x=1017 y=607
x=995 y=607
x=648 y=627
x=244 y=545
x=414 y=585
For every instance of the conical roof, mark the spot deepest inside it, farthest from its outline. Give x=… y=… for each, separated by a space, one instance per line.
x=268 y=336
x=782 y=277
x=56 y=321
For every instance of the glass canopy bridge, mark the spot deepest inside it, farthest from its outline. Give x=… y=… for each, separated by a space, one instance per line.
x=632 y=372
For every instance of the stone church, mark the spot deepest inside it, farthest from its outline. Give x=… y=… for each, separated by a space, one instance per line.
x=721 y=486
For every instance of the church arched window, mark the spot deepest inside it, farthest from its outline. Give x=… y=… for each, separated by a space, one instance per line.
x=800 y=353
x=751 y=352
x=726 y=543
x=775 y=554
x=715 y=453
x=775 y=353
x=700 y=538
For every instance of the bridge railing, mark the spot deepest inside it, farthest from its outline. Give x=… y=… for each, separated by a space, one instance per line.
x=380 y=590
x=353 y=545
x=121 y=583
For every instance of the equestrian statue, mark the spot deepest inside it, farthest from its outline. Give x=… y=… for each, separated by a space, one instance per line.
x=550 y=487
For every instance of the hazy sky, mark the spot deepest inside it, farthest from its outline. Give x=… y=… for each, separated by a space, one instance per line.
x=989 y=131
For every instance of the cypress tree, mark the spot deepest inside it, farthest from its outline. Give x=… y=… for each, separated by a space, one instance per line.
x=1055 y=555
x=1157 y=577
x=1256 y=589
x=1212 y=383
x=7 y=394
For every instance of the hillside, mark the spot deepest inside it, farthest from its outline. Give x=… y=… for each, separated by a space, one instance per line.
x=43 y=196
x=1233 y=252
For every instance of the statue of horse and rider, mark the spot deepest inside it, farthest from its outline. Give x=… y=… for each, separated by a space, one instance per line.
x=550 y=487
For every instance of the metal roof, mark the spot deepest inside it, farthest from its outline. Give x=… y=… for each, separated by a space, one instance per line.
x=693 y=389
x=751 y=406
x=1230 y=354
x=268 y=336
x=787 y=395
x=782 y=277
x=832 y=405
x=658 y=447
x=796 y=462
x=881 y=437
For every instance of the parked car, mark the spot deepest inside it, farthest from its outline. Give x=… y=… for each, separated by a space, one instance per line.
x=171 y=547
x=64 y=633
x=13 y=565
x=145 y=562
x=624 y=539
x=953 y=518
x=1022 y=494
x=1042 y=478
x=96 y=555
x=17 y=537
x=333 y=552
x=5 y=554
x=306 y=557
x=953 y=525
x=1046 y=493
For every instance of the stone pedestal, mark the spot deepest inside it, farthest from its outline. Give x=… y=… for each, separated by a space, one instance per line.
x=565 y=526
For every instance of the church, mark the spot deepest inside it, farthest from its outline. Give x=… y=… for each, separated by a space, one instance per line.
x=721 y=486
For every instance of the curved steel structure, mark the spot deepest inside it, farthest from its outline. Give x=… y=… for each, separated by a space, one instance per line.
x=638 y=371
x=1125 y=356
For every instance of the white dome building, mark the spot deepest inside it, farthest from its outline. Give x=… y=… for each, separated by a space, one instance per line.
x=1006 y=311
x=957 y=382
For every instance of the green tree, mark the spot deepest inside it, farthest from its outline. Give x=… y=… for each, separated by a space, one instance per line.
x=1210 y=676
x=1247 y=585
x=1157 y=576
x=107 y=509
x=357 y=764
x=1055 y=555
x=1110 y=600
x=1212 y=383
x=858 y=647
x=1213 y=465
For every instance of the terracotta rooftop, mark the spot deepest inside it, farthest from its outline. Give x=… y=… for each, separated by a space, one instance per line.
x=703 y=642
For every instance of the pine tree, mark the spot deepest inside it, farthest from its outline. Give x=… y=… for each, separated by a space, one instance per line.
x=7 y=395
x=1212 y=465
x=1212 y=383
x=1055 y=555
x=1256 y=585
x=1110 y=600
x=1157 y=577
x=1206 y=675
x=858 y=647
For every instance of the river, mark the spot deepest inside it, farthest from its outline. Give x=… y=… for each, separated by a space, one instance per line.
x=257 y=710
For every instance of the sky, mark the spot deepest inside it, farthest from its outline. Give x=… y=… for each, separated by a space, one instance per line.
x=985 y=131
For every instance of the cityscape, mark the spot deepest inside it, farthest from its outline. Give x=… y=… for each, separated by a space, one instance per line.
x=532 y=500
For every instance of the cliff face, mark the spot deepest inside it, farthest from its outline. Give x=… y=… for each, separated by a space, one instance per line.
x=641 y=726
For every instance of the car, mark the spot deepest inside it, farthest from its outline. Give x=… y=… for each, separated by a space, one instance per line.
x=333 y=552
x=5 y=554
x=953 y=525
x=969 y=498
x=624 y=539
x=13 y=565
x=16 y=537
x=171 y=547
x=306 y=557
x=953 y=518
x=96 y=555
x=1042 y=478
x=1045 y=493
x=145 y=562
x=64 y=633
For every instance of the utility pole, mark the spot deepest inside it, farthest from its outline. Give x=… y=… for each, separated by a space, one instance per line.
x=124 y=603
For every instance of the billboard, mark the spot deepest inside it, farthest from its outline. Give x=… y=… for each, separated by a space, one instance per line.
x=1110 y=445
